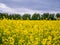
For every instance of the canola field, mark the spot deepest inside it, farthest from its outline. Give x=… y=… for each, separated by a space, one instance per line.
x=29 y=32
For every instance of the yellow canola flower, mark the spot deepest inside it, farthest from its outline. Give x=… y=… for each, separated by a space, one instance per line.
x=29 y=32
x=11 y=40
x=44 y=41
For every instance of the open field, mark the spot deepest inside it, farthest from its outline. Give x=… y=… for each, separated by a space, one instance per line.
x=29 y=32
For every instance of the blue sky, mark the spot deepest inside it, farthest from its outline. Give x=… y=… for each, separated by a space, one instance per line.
x=34 y=5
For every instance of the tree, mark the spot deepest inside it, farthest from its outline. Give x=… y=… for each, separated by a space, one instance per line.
x=14 y=16
x=58 y=15
x=17 y=16
x=1 y=16
x=10 y=16
x=45 y=16
x=5 y=15
x=36 y=16
x=52 y=17
x=26 y=16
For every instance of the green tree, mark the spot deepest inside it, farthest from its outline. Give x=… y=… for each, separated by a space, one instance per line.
x=1 y=16
x=58 y=15
x=5 y=15
x=52 y=17
x=17 y=16
x=26 y=16
x=36 y=16
x=14 y=16
x=11 y=16
x=45 y=16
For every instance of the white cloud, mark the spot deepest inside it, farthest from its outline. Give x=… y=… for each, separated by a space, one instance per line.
x=6 y=9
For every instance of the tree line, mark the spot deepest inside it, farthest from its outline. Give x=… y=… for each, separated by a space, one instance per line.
x=35 y=16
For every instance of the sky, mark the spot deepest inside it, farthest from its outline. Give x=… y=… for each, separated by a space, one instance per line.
x=29 y=6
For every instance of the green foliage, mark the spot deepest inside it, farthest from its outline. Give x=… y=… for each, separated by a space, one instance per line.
x=51 y=17
x=58 y=15
x=0 y=40
x=36 y=16
x=45 y=16
x=26 y=16
x=1 y=16
x=14 y=16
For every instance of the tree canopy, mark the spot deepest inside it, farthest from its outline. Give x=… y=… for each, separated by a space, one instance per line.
x=35 y=16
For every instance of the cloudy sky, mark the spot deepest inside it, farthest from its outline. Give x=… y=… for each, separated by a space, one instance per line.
x=29 y=6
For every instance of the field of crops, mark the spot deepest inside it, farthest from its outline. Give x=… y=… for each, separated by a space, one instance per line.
x=29 y=32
